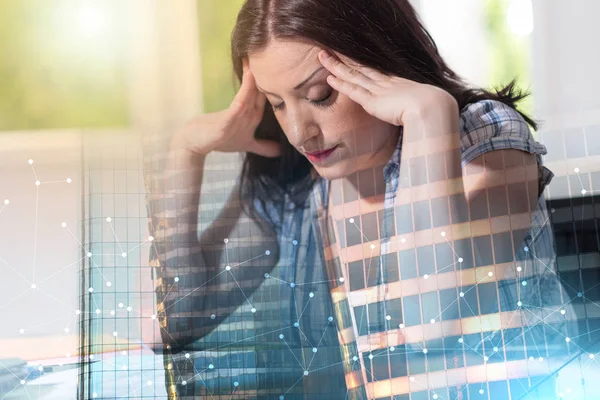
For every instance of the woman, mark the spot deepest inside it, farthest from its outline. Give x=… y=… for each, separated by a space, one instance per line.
x=388 y=236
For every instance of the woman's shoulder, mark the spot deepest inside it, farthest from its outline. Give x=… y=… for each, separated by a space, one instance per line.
x=489 y=125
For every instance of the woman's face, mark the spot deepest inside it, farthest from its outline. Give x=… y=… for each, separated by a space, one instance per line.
x=314 y=117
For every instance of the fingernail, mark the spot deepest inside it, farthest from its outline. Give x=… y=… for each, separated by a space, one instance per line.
x=325 y=54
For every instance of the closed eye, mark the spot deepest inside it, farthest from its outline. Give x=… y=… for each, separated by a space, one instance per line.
x=323 y=102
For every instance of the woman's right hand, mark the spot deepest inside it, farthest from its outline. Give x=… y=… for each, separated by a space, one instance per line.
x=229 y=130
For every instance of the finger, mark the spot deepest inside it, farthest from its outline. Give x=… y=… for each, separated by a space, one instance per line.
x=355 y=92
x=265 y=148
x=247 y=94
x=344 y=71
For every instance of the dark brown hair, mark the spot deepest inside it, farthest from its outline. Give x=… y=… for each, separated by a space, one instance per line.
x=384 y=34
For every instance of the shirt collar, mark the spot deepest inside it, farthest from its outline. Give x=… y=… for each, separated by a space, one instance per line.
x=392 y=167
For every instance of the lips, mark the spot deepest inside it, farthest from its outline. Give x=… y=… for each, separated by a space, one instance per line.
x=320 y=155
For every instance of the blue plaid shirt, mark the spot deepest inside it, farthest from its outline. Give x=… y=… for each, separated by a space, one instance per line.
x=287 y=338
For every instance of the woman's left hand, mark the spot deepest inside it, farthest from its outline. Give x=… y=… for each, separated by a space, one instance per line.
x=392 y=99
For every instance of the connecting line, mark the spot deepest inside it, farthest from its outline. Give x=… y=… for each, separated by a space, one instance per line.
x=114 y=233
x=288 y=346
x=37 y=193
x=556 y=371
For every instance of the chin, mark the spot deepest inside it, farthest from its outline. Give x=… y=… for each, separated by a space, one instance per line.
x=336 y=171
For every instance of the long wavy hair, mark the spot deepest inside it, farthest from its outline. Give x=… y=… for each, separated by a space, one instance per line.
x=385 y=34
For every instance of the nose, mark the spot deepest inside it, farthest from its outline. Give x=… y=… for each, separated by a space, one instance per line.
x=301 y=130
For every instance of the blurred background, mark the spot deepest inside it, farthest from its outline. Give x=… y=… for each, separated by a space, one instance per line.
x=85 y=82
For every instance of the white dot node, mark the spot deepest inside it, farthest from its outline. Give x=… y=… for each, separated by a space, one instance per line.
x=64 y=224
x=89 y=254
x=225 y=240
x=567 y=339
x=213 y=316
x=562 y=312
x=187 y=355
x=372 y=246
x=435 y=396
x=6 y=201
x=495 y=349
x=432 y=320
x=294 y=242
x=526 y=249
x=305 y=373
x=540 y=359
x=30 y=161
x=553 y=210
x=176 y=279
x=401 y=326
x=109 y=283
x=412 y=379
x=426 y=276
x=33 y=285
x=150 y=238
x=66 y=330
x=210 y=366
x=149 y=383
x=388 y=317
x=292 y=285
x=69 y=180
x=267 y=276
x=91 y=357
x=98 y=311
x=38 y=183
x=576 y=170
x=342 y=279
x=314 y=350
x=460 y=340
x=124 y=367
x=561 y=395
x=579 y=294
x=519 y=269
x=531 y=358
x=129 y=308
x=115 y=333
x=443 y=234
x=460 y=259
x=524 y=283
x=591 y=356
x=94 y=395
x=355 y=358
x=153 y=316
x=480 y=391
x=22 y=381
x=329 y=319
x=121 y=305
x=403 y=240
x=281 y=336
x=112 y=312
x=392 y=348
x=123 y=353
x=123 y=254
x=296 y=324
x=21 y=331
x=490 y=273
x=485 y=358
x=236 y=383
x=311 y=295
x=583 y=191
x=519 y=303
x=108 y=219
x=424 y=351
x=351 y=220
x=253 y=310
x=227 y=268
x=461 y=294
x=370 y=356
x=281 y=398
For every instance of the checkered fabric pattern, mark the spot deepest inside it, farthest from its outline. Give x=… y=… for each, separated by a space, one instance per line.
x=338 y=302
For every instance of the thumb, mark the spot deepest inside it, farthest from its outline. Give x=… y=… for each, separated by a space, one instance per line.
x=265 y=148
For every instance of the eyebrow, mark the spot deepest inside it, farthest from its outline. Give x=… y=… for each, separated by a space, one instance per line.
x=298 y=86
